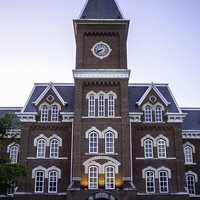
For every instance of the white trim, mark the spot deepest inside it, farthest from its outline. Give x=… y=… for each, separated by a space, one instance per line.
x=39 y=168
x=101 y=73
x=164 y=169
x=50 y=86
x=53 y=168
x=54 y=136
x=41 y=136
x=149 y=168
x=11 y=108
x=192 y=173
x=112 y=130
x=162 y=137
x=91 y=93
x=191 y=134
x=147 y=137
x=155 y=89
x=12 y=144
x=190 y=108
x=100 y=134
x=191 y=145
x=167 y=158
x=35 y=158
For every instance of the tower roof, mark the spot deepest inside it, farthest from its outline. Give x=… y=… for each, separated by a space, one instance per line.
x=101 y=9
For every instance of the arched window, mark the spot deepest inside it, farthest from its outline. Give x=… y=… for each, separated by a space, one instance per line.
x=190 y=182
x=111 y=105
x=158 y=114
x=150 y=181
x=44 y=113
x=148 y=114
x=148 y=148
x=161 y=148
x=54 y=148
x=109 y=142
x=93 y=142
x=188 y=153
x=41 y=148
x=54 y=113
x=93 y=177
x=52 y=181
x=13 y=151
x=163 y=182
x=39 y=181
x=91 y=105
x=110 y=177
x=101 y=105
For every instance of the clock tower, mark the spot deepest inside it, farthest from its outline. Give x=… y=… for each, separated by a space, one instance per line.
x=101 y=159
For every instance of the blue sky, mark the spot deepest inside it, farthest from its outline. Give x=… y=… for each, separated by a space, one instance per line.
x=37 y=45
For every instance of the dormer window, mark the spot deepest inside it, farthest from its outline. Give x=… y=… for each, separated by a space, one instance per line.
x=148 y=113
x=44 y=113
x=158 y=114
x=54 y=113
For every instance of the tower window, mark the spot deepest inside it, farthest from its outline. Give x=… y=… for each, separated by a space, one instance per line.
x=52 y=181
x=148 y=114
x=110 y=177
x=39 y=181
x=150 y=181
x=44 y=113
x=109 y=142
x=93 y=177
x=163 y=181
x=91 y=106
x=111 y=106
x=101 y=105
x=161 y=148
x=148 y=148
x=93 y=142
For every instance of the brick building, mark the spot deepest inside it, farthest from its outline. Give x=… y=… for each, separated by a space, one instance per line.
x=102 y=137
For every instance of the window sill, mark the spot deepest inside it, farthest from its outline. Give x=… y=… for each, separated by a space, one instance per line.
x=34 y=158
x=190 y=163
x=103 y=117
x=101 y=154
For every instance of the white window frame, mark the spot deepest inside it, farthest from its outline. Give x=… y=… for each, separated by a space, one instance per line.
x=54 y=150
x=54 y=113
x=111 y=105
x=13 y=153
x=109 y=142
x=91 y=105
x=109 y=178
x=93 y=146
x=41 y=181
x=101 y=105
x=148 y=111
x=161 y=148
x=188 y=154
x=52 y=179
x=93 y=177
x=147 y=177
x=44 y=116
x=148 y=149
x=44 y=148
x=158 y=114
x=191 y=185
x=163 y=181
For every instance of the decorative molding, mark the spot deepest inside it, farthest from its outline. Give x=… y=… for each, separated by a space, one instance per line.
x=101 y=73
x=190 y=145
x=135 y=116
x=193 y=174
x=94 y=129
x=111 y=130
x=168 y=158
x=191 y=134
x=175 y=117
x=11 y=145
x=27 y=116
x=41 y=136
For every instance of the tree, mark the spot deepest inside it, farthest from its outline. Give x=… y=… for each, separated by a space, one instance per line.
x=9 y=173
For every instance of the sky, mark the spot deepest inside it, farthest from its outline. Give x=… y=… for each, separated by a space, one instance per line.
x=37 y=45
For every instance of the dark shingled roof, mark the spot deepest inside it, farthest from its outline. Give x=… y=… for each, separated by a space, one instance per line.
x=101 y=9
x=136 y=92
x=65 y=91
x=192 y=120
x=4 y=110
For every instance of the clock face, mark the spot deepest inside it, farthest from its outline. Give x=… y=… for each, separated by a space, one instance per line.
x=101 y=50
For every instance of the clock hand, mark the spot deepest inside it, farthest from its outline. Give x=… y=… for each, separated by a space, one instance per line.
x=99 y=50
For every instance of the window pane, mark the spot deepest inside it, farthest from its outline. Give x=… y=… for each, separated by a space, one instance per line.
x=190 y=181
x=109 y=142
x=93 y=177
x=150 y=182
x=158 y=114
x=93 y=142
x=52 y=182
x=148 y=148
x=188 y=154
x=111 y=105
x=101 y=106
x=39 y=181
x=110 y=177
x=148 y=114
x=54 y=113
x=163 y=181
x=44 y=113
x=41 y=148
x=13 y=154
x=91 y=106
x=161 y=148
x=54 y=148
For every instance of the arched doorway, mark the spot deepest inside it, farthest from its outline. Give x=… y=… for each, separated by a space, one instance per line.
x=101 y=196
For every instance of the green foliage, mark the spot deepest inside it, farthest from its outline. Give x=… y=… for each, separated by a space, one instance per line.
x=9 y=173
